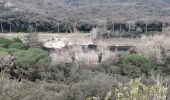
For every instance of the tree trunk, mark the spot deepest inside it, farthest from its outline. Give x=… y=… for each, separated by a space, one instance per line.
x=58 y=28
x=10 y=28
x=66 y=29
x=121 y=27
x=114 y=27
x=70 y=30
x=129 y=27
x=35 y=28
x=163 y=25
x=2 y=29
x=75 y=28
x=146 y=27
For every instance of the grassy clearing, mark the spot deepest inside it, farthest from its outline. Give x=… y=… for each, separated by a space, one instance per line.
x=45 y=36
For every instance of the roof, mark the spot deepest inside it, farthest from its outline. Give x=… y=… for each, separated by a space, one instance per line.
x=55 y=44
x=59 y=43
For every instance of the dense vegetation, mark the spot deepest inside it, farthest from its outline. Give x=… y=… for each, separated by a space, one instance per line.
x=27 y=73
x=142 y=73
x=68 y=15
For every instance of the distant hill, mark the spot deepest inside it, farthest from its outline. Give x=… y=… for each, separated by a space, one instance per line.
x=96 y=9
x=56 y=12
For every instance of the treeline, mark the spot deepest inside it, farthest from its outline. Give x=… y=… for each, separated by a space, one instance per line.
x=136 y=26
x=26 y=21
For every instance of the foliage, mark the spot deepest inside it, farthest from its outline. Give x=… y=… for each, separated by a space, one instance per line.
x=4 y=42
x=15 y=43
x=17 y=40
x=14 y=90
x=32 y=39
x=31 y=62
x=24 y=19
x=136 y=90
x=9 y=50
x=18 y=45
x=29 y=57
x=141 y=62
x=3 y=53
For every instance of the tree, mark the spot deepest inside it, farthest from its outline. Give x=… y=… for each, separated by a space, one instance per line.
x=32 y=38
x=2 y=29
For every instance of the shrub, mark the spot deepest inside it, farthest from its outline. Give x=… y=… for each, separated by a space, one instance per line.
x=14 y=90
x=32 y=40
x=18 y=45
x=3 y=53
x=32 y=62
x=4 y=42
x=132 y=61
x=136 y=90
x=29 y=57
x=17 y=40
x=96 y=87
x=9 y=50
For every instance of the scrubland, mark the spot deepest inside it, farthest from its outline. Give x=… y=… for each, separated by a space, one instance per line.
x=27 y=72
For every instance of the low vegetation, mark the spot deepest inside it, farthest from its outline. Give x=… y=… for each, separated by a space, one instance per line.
x=27 y=73
x=124 y=56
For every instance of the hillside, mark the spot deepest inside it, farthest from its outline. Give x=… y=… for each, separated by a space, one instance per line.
x=85 y=13
x=84 y=50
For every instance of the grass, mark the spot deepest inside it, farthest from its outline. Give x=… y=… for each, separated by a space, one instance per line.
x=3 y=53
x=44 y=36
x=78 y=37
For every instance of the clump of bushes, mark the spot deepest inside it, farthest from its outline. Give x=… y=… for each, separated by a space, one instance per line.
x=29 y=57
x=14 y=90
x=136 y=64
x=136 y=90
x=4 y=42
x=31 y=62
x=17 y=40
x=19 y=45
x=28 y=62
x=9 y=50
x=3 y=53
x=15 y=43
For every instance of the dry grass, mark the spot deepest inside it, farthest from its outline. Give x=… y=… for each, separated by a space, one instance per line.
x=152 y=46
x=43 y=37
x=85 y=56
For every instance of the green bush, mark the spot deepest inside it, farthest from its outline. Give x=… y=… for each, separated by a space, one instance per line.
x=14 y=90
x=30 y=57
x=144 y=65
x=4 y=42
x=17 y=40
x=136 y=90
x=3 y=53
x=9 y=50
x=19 y=45
x=32 y=62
